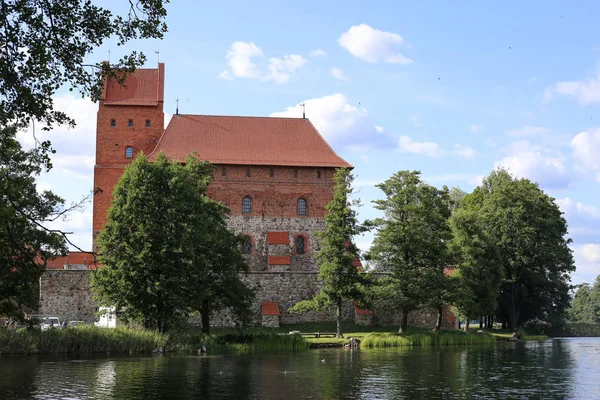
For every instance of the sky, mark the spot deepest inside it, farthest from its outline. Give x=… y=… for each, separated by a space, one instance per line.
x=454 y=90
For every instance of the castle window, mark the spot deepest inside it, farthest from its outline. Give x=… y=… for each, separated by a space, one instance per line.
x=271 y=172
x=318 y=174
x=300 y=245
x=301 y=207
x=223 y=171
x=130 y=123
x=129 y=152
x=247 y=172
x=113 y=122
x=295 y=173
x=147 y=123
x=247 y=205
x=247 y=245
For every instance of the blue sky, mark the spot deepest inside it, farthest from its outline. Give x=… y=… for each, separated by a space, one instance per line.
x=453 y=89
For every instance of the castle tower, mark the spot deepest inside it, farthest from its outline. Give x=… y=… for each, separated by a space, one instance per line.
x=130 y=120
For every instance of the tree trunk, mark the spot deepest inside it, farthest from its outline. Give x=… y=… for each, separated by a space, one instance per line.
x=480 y=322
x=467 y=325
x=504 y=324
x=440 y=316
x=513 y=312
x=404 y=322
x=205 y=315
x=339 y=319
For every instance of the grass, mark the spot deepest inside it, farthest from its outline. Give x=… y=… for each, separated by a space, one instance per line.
x=83 y=339
x=441 y=338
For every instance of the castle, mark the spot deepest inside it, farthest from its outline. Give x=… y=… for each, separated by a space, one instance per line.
x=274 y=174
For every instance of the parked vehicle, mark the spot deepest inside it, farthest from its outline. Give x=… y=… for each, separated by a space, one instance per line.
x=50 y=323
x=75 y=324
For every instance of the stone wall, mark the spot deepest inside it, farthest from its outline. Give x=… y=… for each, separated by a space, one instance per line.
x=66 y=295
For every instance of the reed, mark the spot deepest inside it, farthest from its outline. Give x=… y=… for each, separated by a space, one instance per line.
x=83 y=339
x=443 y=338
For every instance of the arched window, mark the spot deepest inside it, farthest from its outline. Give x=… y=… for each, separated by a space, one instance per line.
x=301 y=207
x=300 y=248
x=247 y=205
x=147 y=123
x=130 y=123
x=247 y=245
x=129 y=152
x=113 y=122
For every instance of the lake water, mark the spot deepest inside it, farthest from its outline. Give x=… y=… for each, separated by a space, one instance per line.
x=553 y=369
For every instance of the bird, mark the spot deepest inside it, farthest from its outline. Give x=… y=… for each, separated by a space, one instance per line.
x=438 y=78
x=510 y=48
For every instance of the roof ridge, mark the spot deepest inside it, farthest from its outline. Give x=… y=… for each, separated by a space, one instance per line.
x=241 y=116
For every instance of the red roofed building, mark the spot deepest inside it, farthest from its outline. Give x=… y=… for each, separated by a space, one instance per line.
x=275 y=174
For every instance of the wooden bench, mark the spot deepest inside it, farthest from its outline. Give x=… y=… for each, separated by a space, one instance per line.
x=319 y=334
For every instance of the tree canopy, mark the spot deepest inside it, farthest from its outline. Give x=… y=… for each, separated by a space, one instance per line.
x=44 y=45
x=342 y=281
x=25 y=243
x=411 y=243
x=529 y=230
x=586 y=303
x=166 y=250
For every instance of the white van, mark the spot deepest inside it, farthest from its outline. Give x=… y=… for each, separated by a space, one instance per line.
x=107 y=317
x=50 y=323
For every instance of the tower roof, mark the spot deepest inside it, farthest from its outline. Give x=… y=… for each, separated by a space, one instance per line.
x=247 y=141
x=143 y=87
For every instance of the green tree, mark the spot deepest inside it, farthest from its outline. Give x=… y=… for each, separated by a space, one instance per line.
x=166 y=250
x=528 y=228
x=411 y=243
x=342 y=280
x=25 y=243
x=479 y=270
x=586 y=303
x=44 y=46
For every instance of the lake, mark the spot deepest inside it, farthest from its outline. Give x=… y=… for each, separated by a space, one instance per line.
x=552 y=369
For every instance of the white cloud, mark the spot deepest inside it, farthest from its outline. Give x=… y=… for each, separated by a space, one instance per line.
x=586 y=92
x=537 y=164
x=586 y=147
x=280 y=69
x=476 y=180
x=429 y=149
x=338 y=74
x=378 y=128
x=476 y=128
x=591 y=252
x=340 y=123
x=587 y=262
x=584 y=220
x=464 y=151
x=373 y=45
x=240 y=59
x=317 y=53
x=527 y=131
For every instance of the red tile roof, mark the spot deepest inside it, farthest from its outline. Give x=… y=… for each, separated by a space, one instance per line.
x=144 y=87
x=361 y=311
x=247 y=141
x=279 y=260
x=74 y=257
x=270 y=308
x=278 y=238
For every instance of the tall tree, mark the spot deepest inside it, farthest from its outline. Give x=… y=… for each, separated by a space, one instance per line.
x=44 y=46
x=342 y=280
x=586 y=303
x=25 y=242
x=166 y=250
x=479 y=270
x=529 y=230
x=411 y=242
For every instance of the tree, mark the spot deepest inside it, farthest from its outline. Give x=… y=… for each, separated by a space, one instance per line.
x=479 y=271
x=342 y=280
x=166 y=250
x=411 y=243
x=586 y=303
x=528 y=228
x=25 y=243
x=44 y=46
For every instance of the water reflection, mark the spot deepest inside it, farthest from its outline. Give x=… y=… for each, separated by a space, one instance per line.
x=553 y=369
